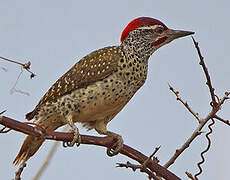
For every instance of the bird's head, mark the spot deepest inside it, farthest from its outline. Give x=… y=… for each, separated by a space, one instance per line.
x=149 y=32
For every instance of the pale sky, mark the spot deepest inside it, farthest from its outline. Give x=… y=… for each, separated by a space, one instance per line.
x=54 y=35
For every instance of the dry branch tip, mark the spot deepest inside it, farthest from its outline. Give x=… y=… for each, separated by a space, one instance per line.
x=25 y=66
x=134 y=167
x=189 y=175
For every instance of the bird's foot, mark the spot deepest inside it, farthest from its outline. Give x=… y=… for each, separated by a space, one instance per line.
x=76 y=139
x=119 y=145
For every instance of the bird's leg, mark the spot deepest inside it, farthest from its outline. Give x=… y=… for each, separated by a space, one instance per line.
x=119 y=144
x=101 y=129
x=74 y=129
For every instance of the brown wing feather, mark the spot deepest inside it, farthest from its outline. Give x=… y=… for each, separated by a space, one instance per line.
x=93 y=67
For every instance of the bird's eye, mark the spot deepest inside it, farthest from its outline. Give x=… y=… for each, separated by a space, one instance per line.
x=159 y=30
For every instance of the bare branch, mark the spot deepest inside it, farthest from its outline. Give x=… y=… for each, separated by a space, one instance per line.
x=197 y=131
x=142 y=167
x=134 y=167
x=222 y=120
x=205 y=69
x=25 y=66
x=184 y=103
x=151 y=156
x=2 y=112
x=108 y=141
x=215 y=108
x=189 y=175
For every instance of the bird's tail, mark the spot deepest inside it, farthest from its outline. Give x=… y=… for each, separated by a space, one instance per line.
x=29 y=147
x=31 y=144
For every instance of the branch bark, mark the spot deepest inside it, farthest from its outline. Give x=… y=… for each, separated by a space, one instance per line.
x=107 y=141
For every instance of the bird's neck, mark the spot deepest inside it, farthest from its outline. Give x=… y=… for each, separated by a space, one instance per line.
x=137 y=47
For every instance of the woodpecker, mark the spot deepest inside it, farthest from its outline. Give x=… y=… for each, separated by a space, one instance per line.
x=97 y=87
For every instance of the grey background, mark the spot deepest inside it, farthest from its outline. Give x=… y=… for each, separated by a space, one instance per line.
x=54 y=35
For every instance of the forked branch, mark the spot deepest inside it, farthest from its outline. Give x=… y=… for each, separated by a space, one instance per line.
x=216 y=106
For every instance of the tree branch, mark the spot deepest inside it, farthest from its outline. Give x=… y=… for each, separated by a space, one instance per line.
x=134 y=167
x=212 y=114
x=222 y=120
x=107 y=141
x=205 y=69
x=25 y=66
x=184 y=103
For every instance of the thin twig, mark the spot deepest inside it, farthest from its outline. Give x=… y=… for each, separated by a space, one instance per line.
x=197 y=131
x=108 y=141
x=25 y=66
x=2 y=112
x=134 y=167
x=189 y=175
x=151 y=156
x=184 y=103
x=222 y=120
x=215 y=108
x=205 y=69
x=206 y=150
x=12 y=61
x=142 y=167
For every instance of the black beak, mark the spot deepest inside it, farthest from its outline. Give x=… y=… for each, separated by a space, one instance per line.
x=174 y=34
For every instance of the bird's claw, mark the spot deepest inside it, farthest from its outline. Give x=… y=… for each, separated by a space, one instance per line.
x=76 y=139
x=119 y=145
